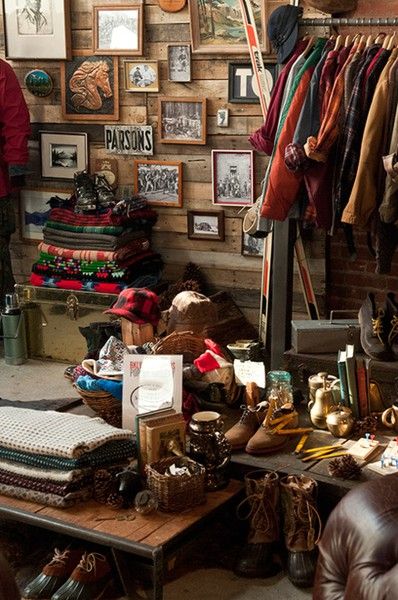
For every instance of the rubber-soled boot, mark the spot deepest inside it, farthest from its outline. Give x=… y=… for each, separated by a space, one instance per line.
x=374 y=330
x=265 y=440
x=53 y=575
x=86 y=197
x=105 y=193
x=251 y=419
x=302 y=527
x=90 y=580
x=260 y=555
x=392 y=323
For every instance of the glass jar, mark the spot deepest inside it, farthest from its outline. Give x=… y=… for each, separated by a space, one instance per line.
x=279 y=388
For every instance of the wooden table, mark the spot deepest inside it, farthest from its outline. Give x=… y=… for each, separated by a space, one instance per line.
x=142 y=542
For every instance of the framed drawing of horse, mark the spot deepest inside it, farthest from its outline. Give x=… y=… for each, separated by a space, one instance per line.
x=90 y=87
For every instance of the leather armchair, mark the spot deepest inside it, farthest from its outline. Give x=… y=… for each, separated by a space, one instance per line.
x=358 y=551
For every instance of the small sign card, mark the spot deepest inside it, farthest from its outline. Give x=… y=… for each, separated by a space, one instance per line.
x=129 y=139
x=249 y=371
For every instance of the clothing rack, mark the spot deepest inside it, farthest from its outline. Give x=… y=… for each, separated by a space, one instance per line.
x=355 y=21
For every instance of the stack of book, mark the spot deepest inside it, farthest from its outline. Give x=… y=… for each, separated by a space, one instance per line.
x=354 y=384
x=160 y=434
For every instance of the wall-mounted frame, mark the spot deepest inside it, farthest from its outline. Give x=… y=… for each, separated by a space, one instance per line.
x=90 y=87
x=232 y=177
x=118 y=29
x=206 y=225
x=159 y=182
x=179 y=63
x=37 y=30
x=62 y=154
x=242 y=85
x=34 y=211
x=141 y=75
x=182 y=120
x=217 y=27
x=252 y=246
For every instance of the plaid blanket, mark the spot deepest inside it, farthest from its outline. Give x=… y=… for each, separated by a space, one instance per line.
x=63 y=215
x=131 y=249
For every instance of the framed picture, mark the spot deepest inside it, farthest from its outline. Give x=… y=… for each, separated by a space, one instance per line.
x=242 y=84
x=62 y=154
x=232 y=177
x=118 y=29
x=141 y=76
x=34 y=211
x=217 y=27
x=179 y=62
x=182 y=120
x=252 y=246
x=37 y=30
x=206 y=225
x=90 y=87
x=223 y=117
x=159 y=182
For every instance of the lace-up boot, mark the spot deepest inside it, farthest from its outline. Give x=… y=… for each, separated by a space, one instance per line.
x=374 y=330
x=105 y=193
x=53 y=575
x=266 y=439
x=86 y=197
x=392 y=323
x=260 y=555
x=302 y=527
x=90 y=580
x=252 y=417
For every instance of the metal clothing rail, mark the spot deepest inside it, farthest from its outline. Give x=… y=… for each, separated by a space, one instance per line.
x=356 y=21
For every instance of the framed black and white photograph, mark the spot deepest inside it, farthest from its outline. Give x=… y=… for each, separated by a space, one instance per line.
x=232 y=177
x=62 y=154
x=252 y=246
x=242 y=84
x=34 y=210
x=206 y=225
x=182 y=120
x=179 y=62
x=118 y=29
x=160 y=183
x=223 y=117
x=37 y=29
x=141 y=76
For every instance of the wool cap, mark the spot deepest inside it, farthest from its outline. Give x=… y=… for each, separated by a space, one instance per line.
x=283 y=30
x=191 y=311
x=138 y=305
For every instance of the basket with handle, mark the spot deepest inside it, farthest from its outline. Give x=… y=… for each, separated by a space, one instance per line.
x=185 y=342
x=104 y=404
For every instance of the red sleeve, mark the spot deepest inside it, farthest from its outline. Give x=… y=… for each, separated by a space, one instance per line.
x=14 y=118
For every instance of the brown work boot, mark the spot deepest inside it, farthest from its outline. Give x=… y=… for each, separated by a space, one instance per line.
x=265 y=440
x=90 y=580
x=53 y=575
x=260 y=555
x=252 y=417
x=374 y=330
x=302 y=527
x=392 y=323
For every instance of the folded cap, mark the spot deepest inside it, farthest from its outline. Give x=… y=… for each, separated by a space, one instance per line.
x=333 y=6
x=137 y=305
x=191 y=311
x=283 y=30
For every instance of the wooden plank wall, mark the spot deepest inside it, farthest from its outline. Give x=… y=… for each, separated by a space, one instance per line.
x=222 y=262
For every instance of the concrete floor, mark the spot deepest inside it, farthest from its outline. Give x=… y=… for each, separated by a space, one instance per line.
x=37 y=380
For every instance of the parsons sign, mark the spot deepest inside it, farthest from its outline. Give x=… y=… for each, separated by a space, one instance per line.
x=129 y=139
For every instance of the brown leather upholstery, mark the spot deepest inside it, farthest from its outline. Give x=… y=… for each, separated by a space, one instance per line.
x=358 y=557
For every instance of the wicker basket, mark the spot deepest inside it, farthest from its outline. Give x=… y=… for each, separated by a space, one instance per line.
x=179 y=492
x=104 y=404
x=185 y=342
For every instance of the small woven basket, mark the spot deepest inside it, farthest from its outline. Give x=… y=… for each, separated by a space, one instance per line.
x=175 y=493
x=104 y=404
x=185 y=342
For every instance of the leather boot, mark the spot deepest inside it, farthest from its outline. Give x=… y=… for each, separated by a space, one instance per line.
x=53 y=575
x=265 y=440
x=86 y=197
x=374 y=330
x=105 y=193
x=90 y=580
x=302 y=527
x=260 y=555
x=252 y=417
x=392 y=323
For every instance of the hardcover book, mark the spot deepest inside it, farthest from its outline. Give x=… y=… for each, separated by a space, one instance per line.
x=352 y=379
x=165 y=437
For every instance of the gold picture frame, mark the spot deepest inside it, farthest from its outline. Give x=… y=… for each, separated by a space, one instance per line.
x=141 y=75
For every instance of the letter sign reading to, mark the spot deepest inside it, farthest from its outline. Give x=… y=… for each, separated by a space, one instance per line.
x=242 y=82
x=129 y=139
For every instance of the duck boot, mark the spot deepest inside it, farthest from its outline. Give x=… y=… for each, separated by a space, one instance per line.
x=260 y=555
x=252 y=417
x=392 y=323
x=53 y=575
x=374 y=330
x=105 y=192
x=90 y=580
x=302 y=527
x=86 y=197
x=267 y=440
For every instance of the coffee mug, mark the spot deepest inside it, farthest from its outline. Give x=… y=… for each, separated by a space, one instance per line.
x=390 y=417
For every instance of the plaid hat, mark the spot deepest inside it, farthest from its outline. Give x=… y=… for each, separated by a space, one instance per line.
x=137 y=305
x=333 y=6
x=283 y=30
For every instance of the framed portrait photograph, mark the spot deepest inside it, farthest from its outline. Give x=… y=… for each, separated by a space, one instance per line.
x=232 y=177
x=242 y=84
x=90 y=87
x=118 y=29
x=217 y=27
x=179 y=62
x=34 y=211
x=141 y=75
x=206 y=225
x=182 y=120
x=37 y=29
x=160 y=183
x=252 y=246
x=62 y=154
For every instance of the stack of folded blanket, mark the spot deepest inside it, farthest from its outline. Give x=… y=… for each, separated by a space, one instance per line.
x=51 y=457
x=102 y=252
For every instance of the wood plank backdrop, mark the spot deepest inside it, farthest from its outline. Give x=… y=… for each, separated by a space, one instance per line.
x=222 y=262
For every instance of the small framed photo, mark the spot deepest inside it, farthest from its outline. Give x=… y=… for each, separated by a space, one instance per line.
x=118 y=29
x=242 y=84
x=37 y=29
x=252 y=246
x=160 y=183
x=182 y=120
x=90 y=87
x=179 y=62
x=62 y=154
x=233 y=177
x=223 y=117
x=34 y=211
x=206 y=225
x=141 y=76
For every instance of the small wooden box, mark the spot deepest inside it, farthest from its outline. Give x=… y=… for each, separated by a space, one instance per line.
x=134 y=334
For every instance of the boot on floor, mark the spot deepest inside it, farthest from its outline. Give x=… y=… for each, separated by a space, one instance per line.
x=374 y=330
x=251 y=419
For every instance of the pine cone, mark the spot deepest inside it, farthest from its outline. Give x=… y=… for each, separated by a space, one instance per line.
x=345 y=467
x=362 y=426
x=115 y=500
x=193 y=271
